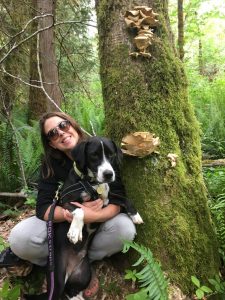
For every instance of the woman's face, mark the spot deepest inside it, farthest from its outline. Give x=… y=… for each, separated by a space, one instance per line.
x=66 y=140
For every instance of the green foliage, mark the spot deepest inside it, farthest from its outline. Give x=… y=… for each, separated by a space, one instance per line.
x=209 y=103
x=111 y=288
x=218 y=213
x=88 y=112
x=141 y=295
x=74 y=47
x=31 y=197
x=8 y=211
x=9 y=175
x=204 y=21
x=131 y=274
x=7 y=292
x=215 y=182
x=30 y=149
x=218 y=285
x=152 y=280
x=203 y=291
x=3 y=244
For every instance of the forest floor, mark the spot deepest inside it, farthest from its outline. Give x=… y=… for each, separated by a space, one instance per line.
x=110 y=271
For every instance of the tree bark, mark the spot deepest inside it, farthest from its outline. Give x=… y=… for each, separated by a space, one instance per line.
x=142 y=94
x=38 y=101
x=180 y=28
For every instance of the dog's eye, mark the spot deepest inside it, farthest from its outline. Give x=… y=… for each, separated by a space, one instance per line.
x=94 y=156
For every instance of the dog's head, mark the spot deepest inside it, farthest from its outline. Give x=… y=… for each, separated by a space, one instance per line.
x=96 y=158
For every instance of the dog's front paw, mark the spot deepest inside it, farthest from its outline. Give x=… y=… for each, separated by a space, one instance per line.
x=137 y=219
x=74 y=235
x=75 y=232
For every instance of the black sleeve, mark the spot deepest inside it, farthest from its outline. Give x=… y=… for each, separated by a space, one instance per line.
x=47 y=188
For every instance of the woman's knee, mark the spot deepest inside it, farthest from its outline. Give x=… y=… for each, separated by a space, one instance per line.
x=28 y=239
x=122 y=226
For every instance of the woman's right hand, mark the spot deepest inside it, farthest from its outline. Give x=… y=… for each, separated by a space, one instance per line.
x=95 y=205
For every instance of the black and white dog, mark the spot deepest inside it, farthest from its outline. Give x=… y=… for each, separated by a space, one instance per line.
x=95 y=170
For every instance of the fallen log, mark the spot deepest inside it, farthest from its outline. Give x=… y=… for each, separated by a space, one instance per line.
x=213 y=163
x=16 y=195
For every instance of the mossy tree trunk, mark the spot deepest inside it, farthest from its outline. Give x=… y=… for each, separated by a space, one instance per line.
x=142 y=94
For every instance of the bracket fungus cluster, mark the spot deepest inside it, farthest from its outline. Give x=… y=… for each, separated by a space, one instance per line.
x=139 y=144
x=143 y=19
x=143 y=143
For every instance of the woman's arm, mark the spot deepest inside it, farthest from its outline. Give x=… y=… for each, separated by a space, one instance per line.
x=59 y=214
x=95 y=214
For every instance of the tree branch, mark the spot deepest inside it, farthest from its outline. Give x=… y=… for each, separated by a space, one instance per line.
x=24 y=28
x=15 y=46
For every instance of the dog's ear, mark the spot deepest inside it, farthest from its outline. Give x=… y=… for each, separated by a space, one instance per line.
x=119 y=153
x=79 y=156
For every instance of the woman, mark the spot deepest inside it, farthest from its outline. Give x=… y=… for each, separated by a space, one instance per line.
x=28 y=239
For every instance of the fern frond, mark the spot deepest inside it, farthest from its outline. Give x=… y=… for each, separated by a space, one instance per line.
x=151 y=276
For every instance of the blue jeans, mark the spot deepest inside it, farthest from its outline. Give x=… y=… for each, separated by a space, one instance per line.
x=28 y=239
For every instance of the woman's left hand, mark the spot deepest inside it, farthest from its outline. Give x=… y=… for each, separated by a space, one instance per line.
x=67 y=215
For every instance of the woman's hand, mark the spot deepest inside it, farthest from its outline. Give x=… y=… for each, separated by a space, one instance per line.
x=95 y=205
x=98 y=214
x=67 y=215
x=89 y=208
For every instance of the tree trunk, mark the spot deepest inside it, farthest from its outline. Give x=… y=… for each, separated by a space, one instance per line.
x=38 y=101
x=180 y=28
x=200 y=57
x=150 y=94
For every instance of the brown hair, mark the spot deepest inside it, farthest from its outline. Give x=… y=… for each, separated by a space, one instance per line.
x=50 y=152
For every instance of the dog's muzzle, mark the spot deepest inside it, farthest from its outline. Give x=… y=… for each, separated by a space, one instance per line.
x=108 y=176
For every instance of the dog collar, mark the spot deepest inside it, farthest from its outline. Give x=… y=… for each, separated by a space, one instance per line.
x=78 y=172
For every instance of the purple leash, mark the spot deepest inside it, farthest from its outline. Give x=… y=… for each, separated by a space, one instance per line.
x=50 y=235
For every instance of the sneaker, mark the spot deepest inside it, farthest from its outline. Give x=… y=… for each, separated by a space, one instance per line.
x=14 y=265
x=8 y=258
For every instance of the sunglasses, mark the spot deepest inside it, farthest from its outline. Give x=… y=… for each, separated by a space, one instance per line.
x=53 y=134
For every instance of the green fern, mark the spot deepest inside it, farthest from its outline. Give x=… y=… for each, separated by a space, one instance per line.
x=218 y=213
x=31 y=149
x=9 y=175
x=152 y=280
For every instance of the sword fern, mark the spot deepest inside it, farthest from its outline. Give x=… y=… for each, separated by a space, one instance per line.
x=151 y=278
